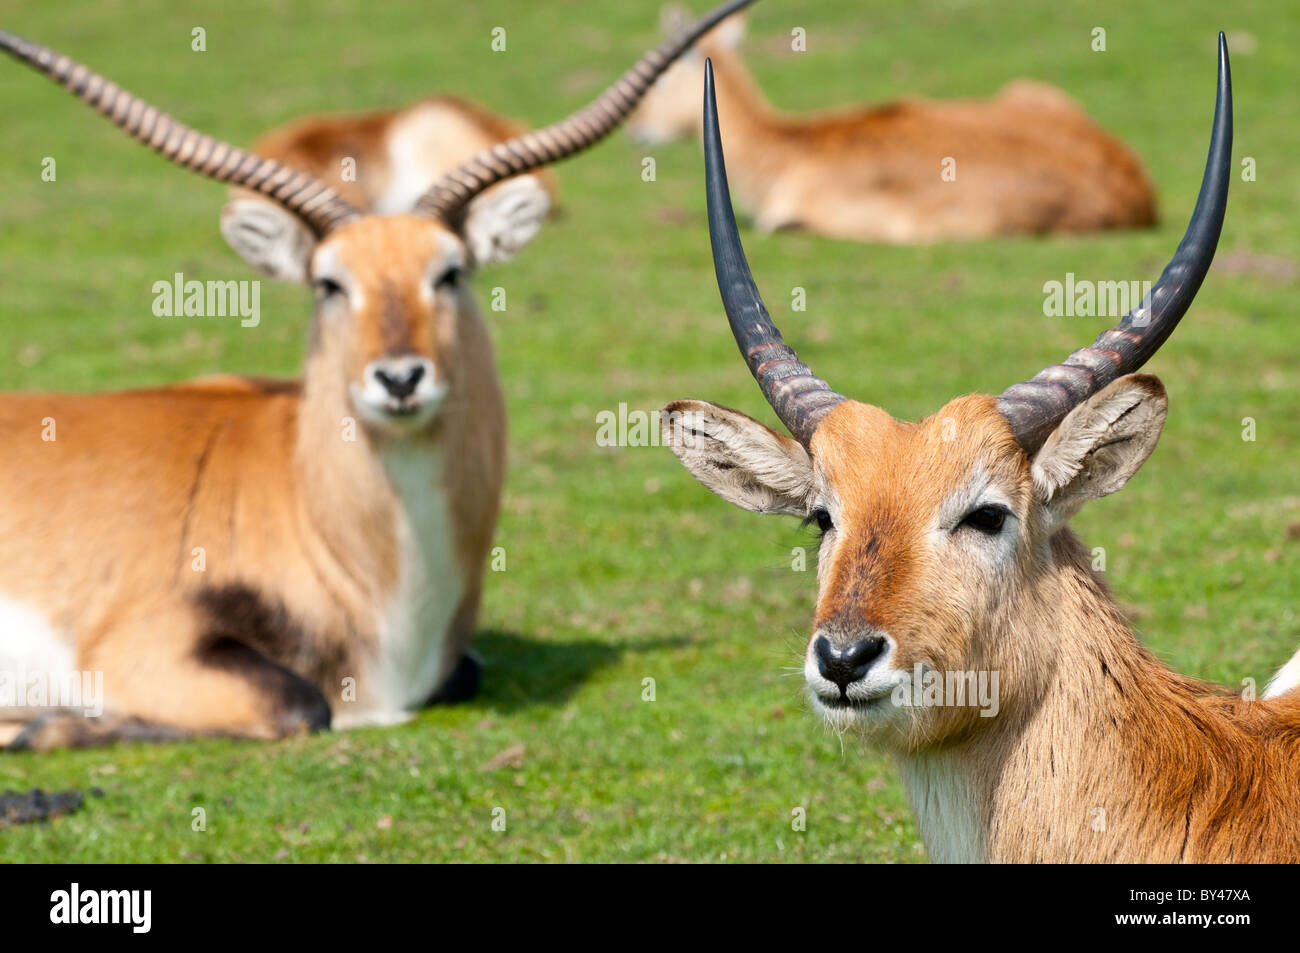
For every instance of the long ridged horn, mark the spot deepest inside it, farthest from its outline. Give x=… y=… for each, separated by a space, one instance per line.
x=447 y=198
x=320 y=207
x=799 y=397
x=1035 y=407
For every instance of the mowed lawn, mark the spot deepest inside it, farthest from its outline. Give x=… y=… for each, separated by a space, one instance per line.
x=619 y=567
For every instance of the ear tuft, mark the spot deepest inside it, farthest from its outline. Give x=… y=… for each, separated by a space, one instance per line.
x=270 y=239
x=1100 y=444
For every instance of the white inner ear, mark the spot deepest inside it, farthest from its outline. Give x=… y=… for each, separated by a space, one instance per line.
x=505 y=218
x=1100 y=444
x=267 y=237
x=731 y=31
x=739 y=458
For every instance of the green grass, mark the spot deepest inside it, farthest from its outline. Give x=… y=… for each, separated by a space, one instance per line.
x=620 y=567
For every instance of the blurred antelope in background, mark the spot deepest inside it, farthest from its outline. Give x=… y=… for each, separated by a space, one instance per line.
x=381 y=162
x=252 y=557
x=945 y=546
x=1027 y=161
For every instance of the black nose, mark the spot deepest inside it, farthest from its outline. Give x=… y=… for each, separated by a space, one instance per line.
x=844 y=666
x=398 y=385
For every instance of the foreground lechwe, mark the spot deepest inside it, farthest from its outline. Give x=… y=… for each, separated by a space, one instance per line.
x=1027 y=161
x=945 y=546
x=251 y=557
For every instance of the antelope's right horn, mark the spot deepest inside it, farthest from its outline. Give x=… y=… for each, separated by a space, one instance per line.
x=1035 y=407
x=447 y=198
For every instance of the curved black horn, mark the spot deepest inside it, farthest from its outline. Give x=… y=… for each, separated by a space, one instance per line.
x=447 y=198
x=1035 y=407
x=799 y=397
x=319 y=206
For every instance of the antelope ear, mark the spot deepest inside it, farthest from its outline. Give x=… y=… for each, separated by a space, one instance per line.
x=505 y=218
x=270 y=239
x=674 y=18
x=1100 y=444
x=739 y=458
x=731 y=31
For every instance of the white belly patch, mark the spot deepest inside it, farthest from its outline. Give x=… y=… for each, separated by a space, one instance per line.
x=38 y=667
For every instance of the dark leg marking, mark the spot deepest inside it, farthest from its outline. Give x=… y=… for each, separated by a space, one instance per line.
x=259 y=641
x=293 y=702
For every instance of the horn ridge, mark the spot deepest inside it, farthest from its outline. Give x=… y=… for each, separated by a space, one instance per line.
x=1035 y=407
x=185 y=146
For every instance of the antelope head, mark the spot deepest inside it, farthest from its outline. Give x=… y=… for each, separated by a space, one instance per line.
x=391 y=297
x=943 y=542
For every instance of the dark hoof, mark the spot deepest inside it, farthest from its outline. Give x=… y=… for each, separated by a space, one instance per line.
x=304 y=708
x=462 y=685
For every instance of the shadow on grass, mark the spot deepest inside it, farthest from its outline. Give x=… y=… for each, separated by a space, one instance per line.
x=519 y=671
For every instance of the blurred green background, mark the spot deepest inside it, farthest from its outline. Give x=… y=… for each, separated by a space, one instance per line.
x=620 y=567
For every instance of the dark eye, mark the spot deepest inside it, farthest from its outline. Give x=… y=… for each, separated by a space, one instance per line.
x=822 y=519
x=328 y=287
x=986 y=519
x=448 y=279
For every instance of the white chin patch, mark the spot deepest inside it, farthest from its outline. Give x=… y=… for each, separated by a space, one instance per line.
x=375 y=405
x=870 y=696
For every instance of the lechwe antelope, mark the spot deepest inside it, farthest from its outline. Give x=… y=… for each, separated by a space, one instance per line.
x=1027 y=161
x=382 y=162
x=251 y=557
x=945 y=546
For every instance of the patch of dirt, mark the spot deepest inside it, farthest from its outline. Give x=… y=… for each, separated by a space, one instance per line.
x=1251 y=263
x=36 y=805
x=512 y=757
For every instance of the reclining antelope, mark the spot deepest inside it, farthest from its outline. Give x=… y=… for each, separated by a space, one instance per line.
x=1027 y=161
x=252 y=557
x=945 y=545
x=381 y=162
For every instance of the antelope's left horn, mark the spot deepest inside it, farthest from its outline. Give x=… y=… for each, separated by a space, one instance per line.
x=1035 y=407
x=799 y=397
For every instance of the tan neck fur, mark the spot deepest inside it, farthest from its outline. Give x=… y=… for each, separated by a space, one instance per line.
x=1112 y=756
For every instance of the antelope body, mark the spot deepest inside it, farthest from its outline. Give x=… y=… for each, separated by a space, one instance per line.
x=252 y=557
x=1027 y=161
x=946 y=546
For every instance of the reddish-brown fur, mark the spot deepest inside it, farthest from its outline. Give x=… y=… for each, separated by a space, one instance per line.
x=451 y=130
